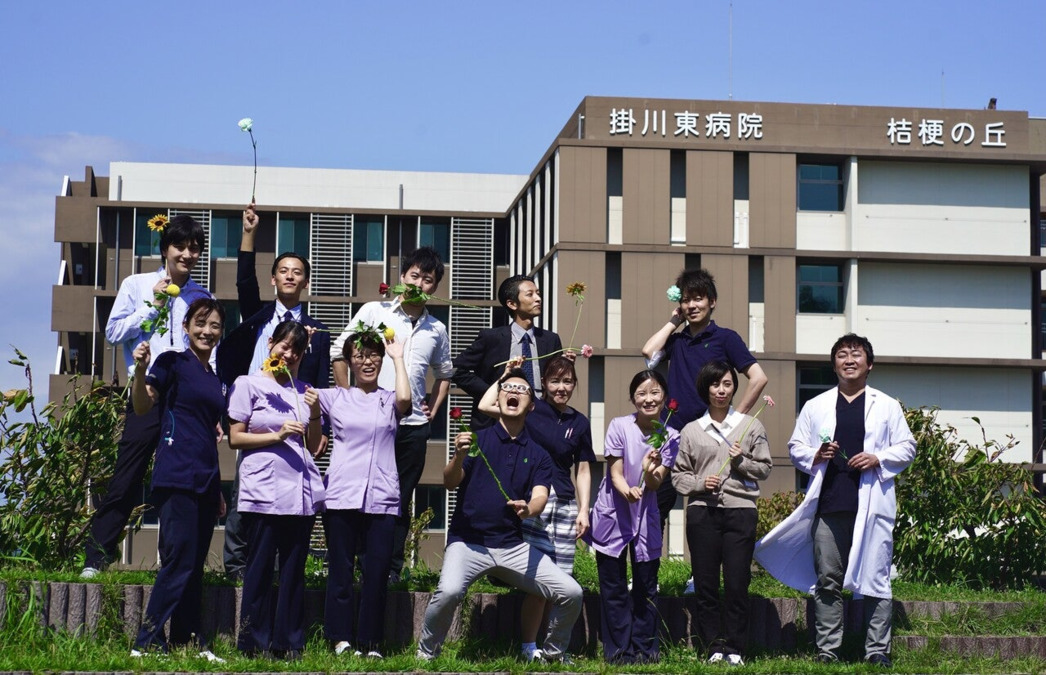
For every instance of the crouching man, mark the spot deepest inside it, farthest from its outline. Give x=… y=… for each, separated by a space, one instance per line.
x=485 y=534
x=853 y=440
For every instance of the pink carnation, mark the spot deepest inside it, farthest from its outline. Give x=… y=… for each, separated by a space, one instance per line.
x=586 y=351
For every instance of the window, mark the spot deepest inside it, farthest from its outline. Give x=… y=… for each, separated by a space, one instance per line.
x=292 y=236
x=756 y=279
x=740 y=175
x=615 y=172
x=820 y=289
x=146 y=242
x=226 y=230
x=437 y=235
x=435 y=498
x=232 y=316
x=368 y=243
x=813 y=380
x=820 y=187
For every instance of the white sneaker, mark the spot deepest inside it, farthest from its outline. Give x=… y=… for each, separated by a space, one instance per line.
x=716 y=658
x=210 y=656
x=136 y=654
x=735 y=660
x=91 y=573
x=422 y=656
x=689 y=588
x=372 y=654
x=341 y=647
x=531 y=655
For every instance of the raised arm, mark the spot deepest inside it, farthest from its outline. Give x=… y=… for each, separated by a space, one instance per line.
x=394 y=349
x=656 y=343
x=247 y=292
x=757 y=380
x=143 y=396
x=454 y=471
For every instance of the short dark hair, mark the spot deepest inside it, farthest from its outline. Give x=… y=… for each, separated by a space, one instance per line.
x=509 y=289
x=299 y=337
x=368 y=339
x=291 y=254
x=516 y=373
x=697 y=282
x=182 y=228
x=425 y=259
x=641 y=377
x=558 y=366
x=207 y=304
x=712 y=372
x=853 y=340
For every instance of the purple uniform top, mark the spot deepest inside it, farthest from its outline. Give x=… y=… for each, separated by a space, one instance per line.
x=615 y=522
x=279 y=479
x=362 y=474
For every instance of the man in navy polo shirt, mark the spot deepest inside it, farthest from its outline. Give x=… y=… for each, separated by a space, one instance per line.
x=689 y=350
x=485 y=532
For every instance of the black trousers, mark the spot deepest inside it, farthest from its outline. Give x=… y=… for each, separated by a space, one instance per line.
x=137 y=445
x=187 y=522
x=628 y=619
x=234 y=551
x=411 y=444
x=349 y=532
x=274 y=618
x=724 y=539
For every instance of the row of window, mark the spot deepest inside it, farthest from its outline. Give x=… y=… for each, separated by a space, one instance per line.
x=294 y=235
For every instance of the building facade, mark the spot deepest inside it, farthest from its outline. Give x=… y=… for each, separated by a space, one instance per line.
x=917 y=228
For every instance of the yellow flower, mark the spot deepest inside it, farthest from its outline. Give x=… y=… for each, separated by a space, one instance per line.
x=389 y=333
x=273 y=364
x=172 y=290
x=158 y=222
x=576 y=289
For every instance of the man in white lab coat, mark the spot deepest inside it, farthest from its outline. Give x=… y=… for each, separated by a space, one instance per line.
x=853 y=441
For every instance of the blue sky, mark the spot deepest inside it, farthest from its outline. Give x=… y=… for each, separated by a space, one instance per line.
x=434 y=86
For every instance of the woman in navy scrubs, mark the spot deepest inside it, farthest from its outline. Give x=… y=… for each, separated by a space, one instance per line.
x=186 y=482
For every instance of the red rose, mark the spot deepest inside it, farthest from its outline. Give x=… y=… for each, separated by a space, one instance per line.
x=455 y=413
x=673 y=405
x=383 y=289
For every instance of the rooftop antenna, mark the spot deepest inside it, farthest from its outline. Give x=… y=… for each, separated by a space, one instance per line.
x=730 y=57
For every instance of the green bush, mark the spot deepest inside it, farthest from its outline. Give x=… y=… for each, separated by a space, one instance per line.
x=965 y=516
x=48 y=461
x=774 y=509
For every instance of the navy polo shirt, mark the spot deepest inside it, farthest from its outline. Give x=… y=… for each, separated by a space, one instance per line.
x=688 y=355
x=842 y=483
x=481 y=516
x=566 y=436
x=191 y=402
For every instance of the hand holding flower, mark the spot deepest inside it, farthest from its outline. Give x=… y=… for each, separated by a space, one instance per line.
x=513 y=363
x=651 y=460
x=634 y=494
x=160 y=294
x=521 y=508
x=250 y=219
x=462 y=442
x=826 y=452
x=712 y=482
x=141 y=355
x=735 y=450
x=291 y=428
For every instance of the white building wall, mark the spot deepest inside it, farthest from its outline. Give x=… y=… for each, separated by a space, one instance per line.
x=1000 y=398
x=334 y=188
x=964 y=311
x=941 y=208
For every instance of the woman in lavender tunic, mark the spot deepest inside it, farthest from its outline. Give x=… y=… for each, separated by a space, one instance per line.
x=362 y=489
x=280 y=492
x=625 y=523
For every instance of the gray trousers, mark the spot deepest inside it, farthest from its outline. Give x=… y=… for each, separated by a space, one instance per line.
x=833 y=534
x=522 y=566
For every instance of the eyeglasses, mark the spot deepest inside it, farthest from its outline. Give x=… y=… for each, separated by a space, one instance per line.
x=514 y=388
x=373 y=357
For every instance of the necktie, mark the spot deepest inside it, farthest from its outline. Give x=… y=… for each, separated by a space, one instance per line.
x=528 y=365
x=288 y=316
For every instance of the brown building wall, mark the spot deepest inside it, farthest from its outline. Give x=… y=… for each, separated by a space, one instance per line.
x=583 y=194
x=772 y=187
x=588 y=267
x=779 y=294
x=646 y=192
x=779 y=422
x=709 y=198
x=644 y=308
x=731 y=280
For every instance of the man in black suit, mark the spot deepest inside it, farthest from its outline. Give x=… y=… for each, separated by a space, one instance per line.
x=246 y=347
x=476 y=367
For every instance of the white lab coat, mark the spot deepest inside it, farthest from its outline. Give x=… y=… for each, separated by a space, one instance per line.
x=787 y=552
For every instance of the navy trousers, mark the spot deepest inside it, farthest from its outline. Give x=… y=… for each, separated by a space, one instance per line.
x=274 y=618
x=411 y=445
x=187 y=522
x=628 y=619
x=349 y=532
x=137 y=445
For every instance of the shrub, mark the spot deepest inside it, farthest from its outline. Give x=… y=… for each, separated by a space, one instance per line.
x=774 y=509
x=49 y=461
x=964 y=516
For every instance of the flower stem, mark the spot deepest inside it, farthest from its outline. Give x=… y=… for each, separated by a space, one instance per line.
x=254 y=145
x=483 y=456
x=580 y=306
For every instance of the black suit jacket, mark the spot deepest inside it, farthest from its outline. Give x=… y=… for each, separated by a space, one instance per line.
x=475 y=371
x=237 y=350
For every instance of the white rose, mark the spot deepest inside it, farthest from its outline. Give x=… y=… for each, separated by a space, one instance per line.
x=246 y=124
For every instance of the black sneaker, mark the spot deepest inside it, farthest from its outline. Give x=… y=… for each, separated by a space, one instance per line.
x=881 y=660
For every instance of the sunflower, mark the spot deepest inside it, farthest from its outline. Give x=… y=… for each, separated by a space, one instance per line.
x=158 y=222
x=576 y=288
x=273 y=364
